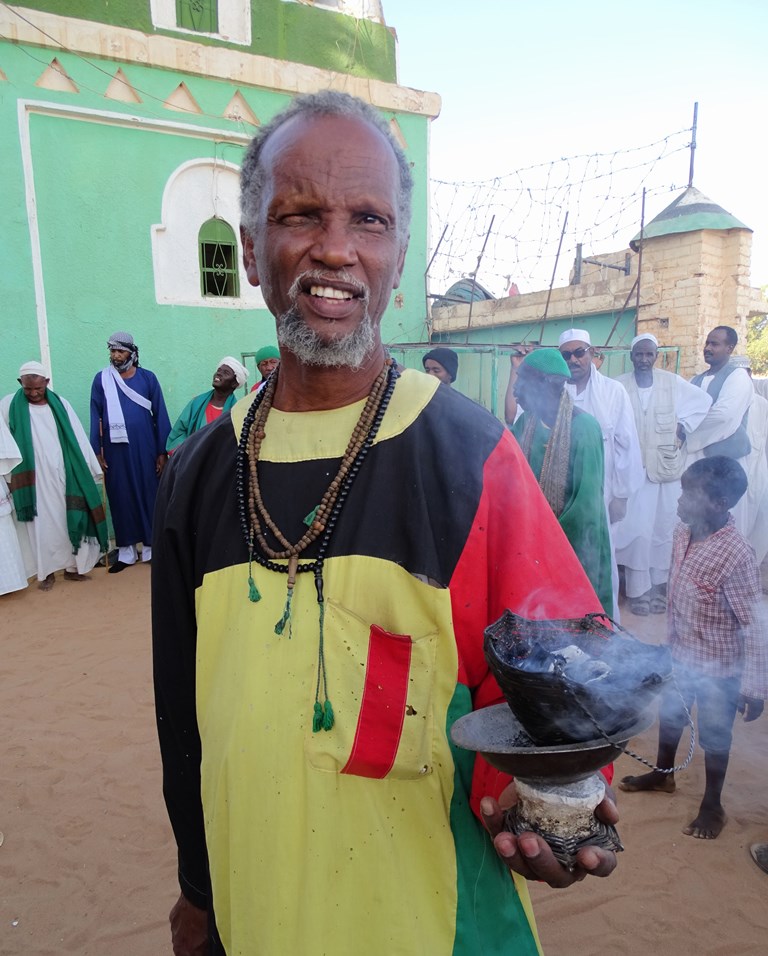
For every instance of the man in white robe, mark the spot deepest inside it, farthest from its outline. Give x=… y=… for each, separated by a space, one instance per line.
x=755 y=509
x=606 y=400
x=661 y=402
x=45 y=541
x=13 y=575
x=724 y=429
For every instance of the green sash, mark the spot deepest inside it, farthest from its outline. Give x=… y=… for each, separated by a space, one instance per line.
x=85 y=511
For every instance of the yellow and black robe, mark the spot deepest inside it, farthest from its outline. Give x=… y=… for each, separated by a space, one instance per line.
x=361 y=839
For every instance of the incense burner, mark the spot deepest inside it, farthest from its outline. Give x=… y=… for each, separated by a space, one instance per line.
x=576 y=693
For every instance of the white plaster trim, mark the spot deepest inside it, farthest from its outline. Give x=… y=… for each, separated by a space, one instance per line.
x=195 y=192
x=234 y=18
x=235 y=66
x=34 y=237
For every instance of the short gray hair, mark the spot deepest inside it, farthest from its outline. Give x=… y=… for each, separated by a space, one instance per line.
x=324 y=103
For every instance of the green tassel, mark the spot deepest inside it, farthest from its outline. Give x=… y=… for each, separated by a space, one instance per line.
x=311 y=516
x=327 y=716
x=285 y=619
x=253 y=591
x=317 y=717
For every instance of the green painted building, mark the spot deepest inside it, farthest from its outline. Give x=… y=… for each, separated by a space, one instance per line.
x=123 y=126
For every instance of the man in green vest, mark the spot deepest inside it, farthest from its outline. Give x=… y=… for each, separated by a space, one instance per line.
x=207 y=407
x=564 y=447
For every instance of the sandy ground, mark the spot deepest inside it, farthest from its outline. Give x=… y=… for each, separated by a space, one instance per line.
x=87 y=865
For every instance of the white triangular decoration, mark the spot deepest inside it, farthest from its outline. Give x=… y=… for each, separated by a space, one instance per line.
x=182 y=101
x=121 y=89
x=239 y=111
x=55 y=77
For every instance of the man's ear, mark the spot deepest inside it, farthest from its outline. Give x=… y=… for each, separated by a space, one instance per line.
x=249 y=258
x=401 y=263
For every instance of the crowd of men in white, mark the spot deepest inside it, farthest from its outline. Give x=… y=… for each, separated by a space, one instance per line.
x=654 y=425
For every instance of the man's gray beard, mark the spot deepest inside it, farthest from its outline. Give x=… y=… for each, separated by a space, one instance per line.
x=348 y=351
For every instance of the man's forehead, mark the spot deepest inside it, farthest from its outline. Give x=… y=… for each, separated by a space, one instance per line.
x=574 y=344
x=317 y=141
x=33 y=380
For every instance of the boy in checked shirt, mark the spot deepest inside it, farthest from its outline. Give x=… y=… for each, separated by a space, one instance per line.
x=715 y=633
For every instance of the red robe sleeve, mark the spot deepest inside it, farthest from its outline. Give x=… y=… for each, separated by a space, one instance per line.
x=516 y=556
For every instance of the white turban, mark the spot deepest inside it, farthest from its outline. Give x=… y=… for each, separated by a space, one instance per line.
x=33 y=368
x=740 y=361
x=642 y=337
x=241 y=372
x=574 y=335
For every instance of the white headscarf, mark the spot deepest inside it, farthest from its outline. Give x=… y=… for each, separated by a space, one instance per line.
x=33 y=368
x=641 y=338
x=241 y=372
x=574 y=335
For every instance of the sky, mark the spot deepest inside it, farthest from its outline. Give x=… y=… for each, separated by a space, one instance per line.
x=525 y=83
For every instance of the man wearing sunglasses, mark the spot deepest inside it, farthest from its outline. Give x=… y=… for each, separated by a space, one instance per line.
x=606 y=400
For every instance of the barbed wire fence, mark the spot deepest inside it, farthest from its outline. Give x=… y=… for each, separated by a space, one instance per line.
x=600 y=193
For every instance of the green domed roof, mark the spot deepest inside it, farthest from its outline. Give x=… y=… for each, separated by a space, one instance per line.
x=691 y=211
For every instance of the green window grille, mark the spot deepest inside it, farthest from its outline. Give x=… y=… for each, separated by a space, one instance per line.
x=218 y=259
x=199 y=15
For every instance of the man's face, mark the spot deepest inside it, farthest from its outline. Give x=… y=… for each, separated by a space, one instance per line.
x=327 y=242
x=432 y=367
x=644 y=355
x=34 y=387
x=267 y=366
x=717 y=351
x=578 y=355
x=118 y=356
x=533 y=391
x=224 y=378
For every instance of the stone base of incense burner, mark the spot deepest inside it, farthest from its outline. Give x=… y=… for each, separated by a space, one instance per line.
x=564 y=815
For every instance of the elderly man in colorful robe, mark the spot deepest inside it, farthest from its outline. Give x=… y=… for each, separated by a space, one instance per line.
x=564 y=447
x=608 y=402
x=316 y=797
x=129 y=429
x=58 y=507
x=662 y=402
x=204 y=409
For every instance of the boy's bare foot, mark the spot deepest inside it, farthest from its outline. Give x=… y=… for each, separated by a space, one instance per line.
x=74 y=576
x=47 y=584
x=707 y=825
x=661 y=782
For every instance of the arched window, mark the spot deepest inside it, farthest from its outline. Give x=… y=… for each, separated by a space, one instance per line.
x=198 y=15
x=218 y=259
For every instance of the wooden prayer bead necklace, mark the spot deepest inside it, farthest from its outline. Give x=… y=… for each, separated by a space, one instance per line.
x=321 y=520
x=257 y=511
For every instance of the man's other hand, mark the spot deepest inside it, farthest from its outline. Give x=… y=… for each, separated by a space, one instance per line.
x=189 y=929
x=617 y=509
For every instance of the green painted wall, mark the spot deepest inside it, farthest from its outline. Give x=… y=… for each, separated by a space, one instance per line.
x=98 y=191
x=286 y=31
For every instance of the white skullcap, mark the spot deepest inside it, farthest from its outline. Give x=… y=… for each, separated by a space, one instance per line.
x=574 y=335
x=740 y=361
x=32 y=368
x=241 y=372
x=642 y=337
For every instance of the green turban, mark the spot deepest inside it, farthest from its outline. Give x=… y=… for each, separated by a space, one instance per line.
x=548 y=362
x=267 y=352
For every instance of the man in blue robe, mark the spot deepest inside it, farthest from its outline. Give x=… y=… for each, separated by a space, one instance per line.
x=129 y=429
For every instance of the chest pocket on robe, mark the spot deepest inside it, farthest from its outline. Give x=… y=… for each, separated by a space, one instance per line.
x=381 y=687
